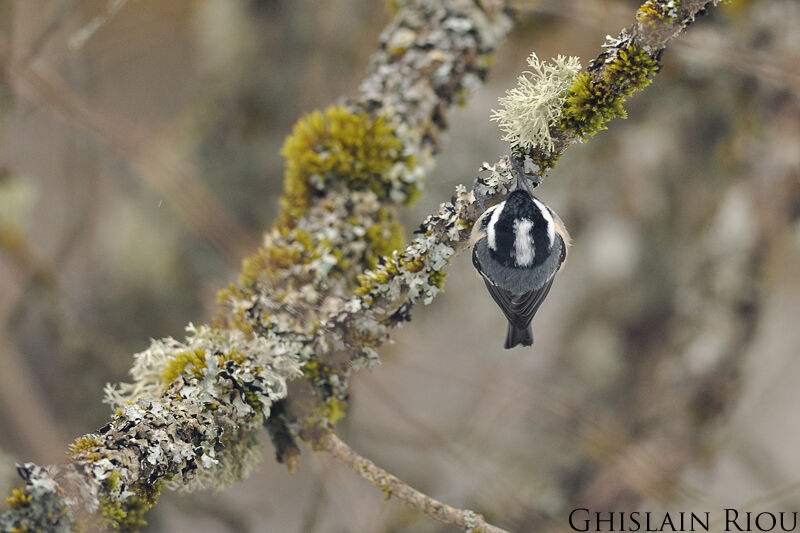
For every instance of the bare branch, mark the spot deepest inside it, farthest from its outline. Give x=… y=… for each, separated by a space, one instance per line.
x=392 y=486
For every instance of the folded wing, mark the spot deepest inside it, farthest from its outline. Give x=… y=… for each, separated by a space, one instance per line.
x=519 y=309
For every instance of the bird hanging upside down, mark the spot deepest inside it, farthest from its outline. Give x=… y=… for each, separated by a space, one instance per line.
x=518 y=246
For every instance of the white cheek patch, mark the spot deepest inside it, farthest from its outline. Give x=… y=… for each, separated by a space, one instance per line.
x=523 y=243
x=548 y=218
x=490 y=234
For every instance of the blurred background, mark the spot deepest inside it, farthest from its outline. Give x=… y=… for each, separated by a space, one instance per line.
x=139 y=162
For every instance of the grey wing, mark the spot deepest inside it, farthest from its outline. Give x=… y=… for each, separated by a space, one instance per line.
x=519 y=309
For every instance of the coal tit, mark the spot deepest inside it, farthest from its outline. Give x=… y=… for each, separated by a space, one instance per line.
x=518 y=246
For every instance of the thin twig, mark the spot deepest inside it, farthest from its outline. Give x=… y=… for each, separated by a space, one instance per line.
x=391 y=485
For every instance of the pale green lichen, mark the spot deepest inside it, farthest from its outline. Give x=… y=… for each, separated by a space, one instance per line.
x=40 y=505
x=534 y=106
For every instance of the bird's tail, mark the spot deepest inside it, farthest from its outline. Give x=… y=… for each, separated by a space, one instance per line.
x=516 y=336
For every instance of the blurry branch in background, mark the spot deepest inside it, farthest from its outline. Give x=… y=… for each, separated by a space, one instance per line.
x=305 y=313
x=59 y=14
x=20 y=395
x=80 y=37
x=154 y=162
x=27 y=271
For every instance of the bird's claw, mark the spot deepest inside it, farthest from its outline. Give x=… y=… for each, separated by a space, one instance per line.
x=479 y=197
x=524 y=180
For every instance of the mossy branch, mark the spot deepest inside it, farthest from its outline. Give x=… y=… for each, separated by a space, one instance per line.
x=192 y=414
x=627 y=65
x=304 y=307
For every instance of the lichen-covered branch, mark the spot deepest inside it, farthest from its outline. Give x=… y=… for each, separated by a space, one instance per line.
x=304 y=312
x=191 y=415
x=626 y=65
x=393 y=487
x=349 y=168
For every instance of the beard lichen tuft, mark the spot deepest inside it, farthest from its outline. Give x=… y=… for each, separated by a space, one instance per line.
x=534 y=105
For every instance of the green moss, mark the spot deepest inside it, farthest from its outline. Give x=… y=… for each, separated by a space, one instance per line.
x=318 y=372
x=112 y=481
x=88 y=449
x=236 y=356
x=412 y=264
x=655 y=12
x=382 y=274
x=335 y=409
x=545 y=160
x=111 y=513
x=251 y=399
x=84 y=445
x=436 y=278
x=128 y=515
x=238 y=319
x=19 y=498
x=193 y=362
x=592 y=102
x=338 y=147
x=383 y=239
x=631 y=70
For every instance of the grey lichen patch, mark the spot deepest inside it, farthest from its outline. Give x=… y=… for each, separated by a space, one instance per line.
x=199 y=429
x=415 y=273
x=40 y=505
x=431 y=54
